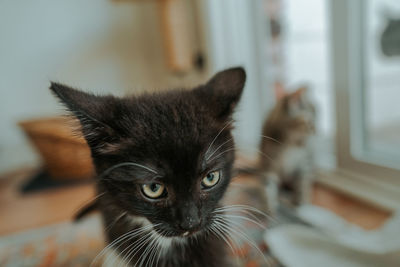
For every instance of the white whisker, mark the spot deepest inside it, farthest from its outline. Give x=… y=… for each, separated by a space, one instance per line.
x=119 y=239
x=223 y=230
x=142 y=257
x=109 y=170
x=217 y=231
x=271 y=138
x=245 y=207
x=115 y=221
x=154 y=250
x=215 y=138
x=131 y=248
x=136 y=246
x=237 y=227
x=125 y=238
x=120 y=254
x=241 y=210
x=244 y=218
x=218 y=148
x=220 y=154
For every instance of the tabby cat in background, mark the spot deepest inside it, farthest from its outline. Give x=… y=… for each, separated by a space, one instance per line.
x=286 y=159
x=164 y=161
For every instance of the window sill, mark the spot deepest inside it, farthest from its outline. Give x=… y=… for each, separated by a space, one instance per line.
x=371 y=190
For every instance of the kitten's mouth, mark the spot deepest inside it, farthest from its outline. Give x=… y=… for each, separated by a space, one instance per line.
x=177 y=233
x=190 y=233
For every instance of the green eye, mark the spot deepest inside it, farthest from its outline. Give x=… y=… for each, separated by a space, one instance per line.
x=211 y=179
x=153 y=190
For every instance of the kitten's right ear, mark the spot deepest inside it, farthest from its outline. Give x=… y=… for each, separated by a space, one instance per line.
x=223 y=91
x=89 y=109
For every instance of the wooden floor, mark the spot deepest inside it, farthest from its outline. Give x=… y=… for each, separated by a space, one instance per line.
x=354 y=211
x=25 y=211
x=20 y=212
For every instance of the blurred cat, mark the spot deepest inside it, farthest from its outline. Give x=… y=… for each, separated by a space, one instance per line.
x=286 y=160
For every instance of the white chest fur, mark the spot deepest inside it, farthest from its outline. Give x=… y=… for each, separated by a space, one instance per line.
x=293 y=159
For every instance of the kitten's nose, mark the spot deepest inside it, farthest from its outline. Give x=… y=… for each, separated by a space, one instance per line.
x=190 y=224
x=189 y=219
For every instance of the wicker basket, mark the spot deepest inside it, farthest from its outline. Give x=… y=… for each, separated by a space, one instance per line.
x=65 y=155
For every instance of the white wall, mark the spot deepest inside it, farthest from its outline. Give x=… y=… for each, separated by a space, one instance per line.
x=237 y=31
x=98 y=45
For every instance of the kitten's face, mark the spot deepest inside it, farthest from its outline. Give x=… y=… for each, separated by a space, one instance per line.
x=298 y=115
x=165 y=157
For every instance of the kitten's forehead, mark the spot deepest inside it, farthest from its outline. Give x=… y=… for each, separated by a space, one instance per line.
x=173 y=130
x=177 y=118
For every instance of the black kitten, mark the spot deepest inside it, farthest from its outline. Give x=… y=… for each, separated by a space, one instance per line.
x=164 y=162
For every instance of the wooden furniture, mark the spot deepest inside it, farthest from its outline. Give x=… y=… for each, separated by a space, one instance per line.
x=65 y=154
x=175 y=29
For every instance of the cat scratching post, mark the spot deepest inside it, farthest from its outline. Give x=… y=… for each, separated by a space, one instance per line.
x=176 y=34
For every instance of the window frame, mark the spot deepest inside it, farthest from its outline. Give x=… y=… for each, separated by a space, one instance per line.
x=348 y=29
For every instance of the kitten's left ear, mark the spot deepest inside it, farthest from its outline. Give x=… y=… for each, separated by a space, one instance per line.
x=225 y=89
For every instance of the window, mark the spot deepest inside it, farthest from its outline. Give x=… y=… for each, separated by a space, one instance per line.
x=364 y=81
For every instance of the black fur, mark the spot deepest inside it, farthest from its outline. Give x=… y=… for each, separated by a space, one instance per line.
x=170 y=133
x=85 y=210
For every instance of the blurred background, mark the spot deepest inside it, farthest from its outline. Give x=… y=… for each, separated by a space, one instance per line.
x=346 y=52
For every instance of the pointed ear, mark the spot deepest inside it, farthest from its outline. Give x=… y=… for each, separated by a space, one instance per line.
x=300 y=92
x=297 y=97
x=225 y=89
x=280 y=91
x=295 y=100
x=90 y=110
